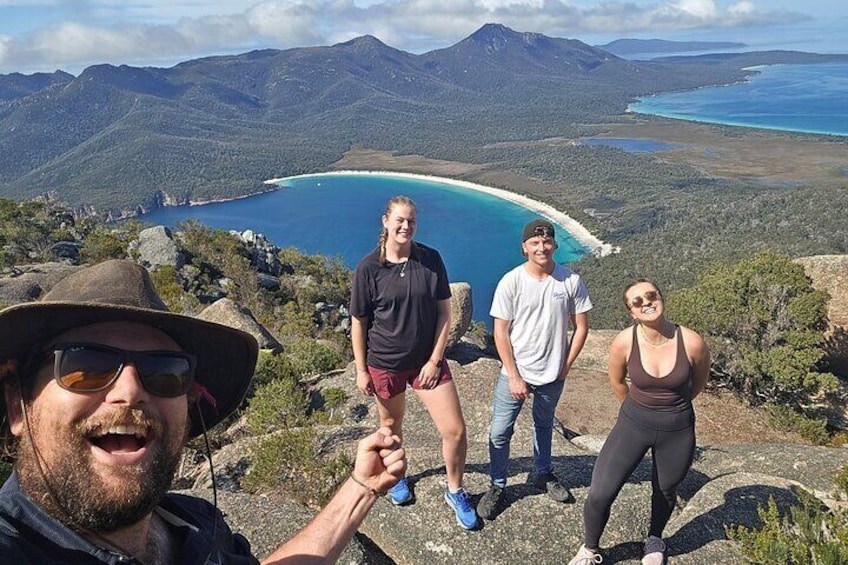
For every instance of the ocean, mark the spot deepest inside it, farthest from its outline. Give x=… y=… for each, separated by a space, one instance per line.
x=477 y=234
x=802 y=98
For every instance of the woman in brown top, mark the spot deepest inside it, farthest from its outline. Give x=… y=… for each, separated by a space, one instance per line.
x=668 y=366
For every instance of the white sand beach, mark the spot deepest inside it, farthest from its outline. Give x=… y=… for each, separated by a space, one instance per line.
x=577 y=231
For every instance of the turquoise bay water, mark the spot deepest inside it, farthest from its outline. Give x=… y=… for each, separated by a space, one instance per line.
x=477 y=234
x=803 y=98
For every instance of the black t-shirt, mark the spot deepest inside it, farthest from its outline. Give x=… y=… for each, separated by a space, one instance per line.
x=401 y=310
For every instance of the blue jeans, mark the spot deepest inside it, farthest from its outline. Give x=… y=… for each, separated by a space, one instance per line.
x=505 y=411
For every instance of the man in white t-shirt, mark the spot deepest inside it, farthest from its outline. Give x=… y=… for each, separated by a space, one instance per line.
x=532 y=308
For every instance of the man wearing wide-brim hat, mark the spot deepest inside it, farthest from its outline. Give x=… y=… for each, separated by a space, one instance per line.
x=103 y=386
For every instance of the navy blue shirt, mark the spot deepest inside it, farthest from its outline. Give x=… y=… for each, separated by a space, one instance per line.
x=29 y=535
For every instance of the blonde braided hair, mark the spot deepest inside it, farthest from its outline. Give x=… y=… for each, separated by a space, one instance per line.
x=384 y=233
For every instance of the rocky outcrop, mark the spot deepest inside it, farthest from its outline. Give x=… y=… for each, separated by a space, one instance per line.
x=26 y=283
x=830 y=273
x=156 y=248
x=229 y=313
x=263 y=254
x=462 y=309
x=595 y=350
x=725 y=486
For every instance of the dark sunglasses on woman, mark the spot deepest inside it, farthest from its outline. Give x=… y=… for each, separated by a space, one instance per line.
x=642 y=299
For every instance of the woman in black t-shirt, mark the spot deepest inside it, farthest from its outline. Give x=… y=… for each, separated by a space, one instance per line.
x=400 y=314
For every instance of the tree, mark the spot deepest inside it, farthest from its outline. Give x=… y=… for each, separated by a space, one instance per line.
x=764 y=324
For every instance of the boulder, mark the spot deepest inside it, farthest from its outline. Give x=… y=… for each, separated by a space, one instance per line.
x=29 y=282
x=268 y=282
x=156 y=248
x=461 y=311
x=725 y=487
x=229 y=313
x=830 y=273
x=67 y=250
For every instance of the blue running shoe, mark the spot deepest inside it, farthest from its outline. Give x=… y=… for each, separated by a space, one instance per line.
x=465 y=515
x=400 y=493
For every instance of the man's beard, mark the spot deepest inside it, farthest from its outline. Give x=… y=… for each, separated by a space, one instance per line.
x=71 y=490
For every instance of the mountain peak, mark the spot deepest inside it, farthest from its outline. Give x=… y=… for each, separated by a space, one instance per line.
x=496 y=38
x=364 y=42
x=494 y=35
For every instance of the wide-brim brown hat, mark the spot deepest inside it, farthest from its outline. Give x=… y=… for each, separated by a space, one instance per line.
x=119 y=290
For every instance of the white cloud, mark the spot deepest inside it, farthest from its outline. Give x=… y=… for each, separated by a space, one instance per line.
x=741 y=9
x=155 y=30
x=701 y=9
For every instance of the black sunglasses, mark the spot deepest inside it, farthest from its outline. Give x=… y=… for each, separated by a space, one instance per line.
x=650 y=296
x=84 y=367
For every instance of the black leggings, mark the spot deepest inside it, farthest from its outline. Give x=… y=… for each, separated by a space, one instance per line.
x=671 y=438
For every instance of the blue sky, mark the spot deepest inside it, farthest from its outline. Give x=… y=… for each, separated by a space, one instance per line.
x=45 y=35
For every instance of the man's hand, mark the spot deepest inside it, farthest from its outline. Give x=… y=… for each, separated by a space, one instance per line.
x=364 y=382
x=380 y=460
x=518 y=388
x=564 y=373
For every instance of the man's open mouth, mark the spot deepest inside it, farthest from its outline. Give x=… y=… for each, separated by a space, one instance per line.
x=120 y=439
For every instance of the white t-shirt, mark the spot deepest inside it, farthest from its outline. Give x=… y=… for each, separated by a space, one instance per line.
x=540 y=311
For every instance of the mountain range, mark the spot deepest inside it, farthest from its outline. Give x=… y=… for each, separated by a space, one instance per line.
x=625 y=47
x=118 y=140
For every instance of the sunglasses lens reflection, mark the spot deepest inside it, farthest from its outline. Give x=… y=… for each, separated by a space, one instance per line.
x=83 y=369
x=91 y=368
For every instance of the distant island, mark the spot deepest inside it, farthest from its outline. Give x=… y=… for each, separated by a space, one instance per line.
x=624 y=47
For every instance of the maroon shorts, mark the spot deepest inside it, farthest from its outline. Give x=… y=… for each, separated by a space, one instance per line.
x=388 y=383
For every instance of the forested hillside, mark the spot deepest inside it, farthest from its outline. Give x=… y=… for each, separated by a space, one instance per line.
x=119 y=140
x=124 y=139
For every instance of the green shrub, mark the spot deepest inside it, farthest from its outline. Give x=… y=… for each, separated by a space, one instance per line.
x=278 y=404
x=170 y=289
x=271 y=367
x=764 y=324
x=786 y=419
x=217 y=253
x=330 y=275
x=289 y=461
x=328 y=401
x=308 y=357
x=841 y=482
x=334 y=397
x=102 y=244
x=810 y=534
x=296 y=323
x=29 y=229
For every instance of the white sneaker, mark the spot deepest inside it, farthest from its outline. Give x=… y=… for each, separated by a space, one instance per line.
x=586 y=557
x=654 y=551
